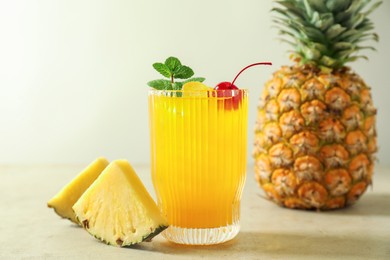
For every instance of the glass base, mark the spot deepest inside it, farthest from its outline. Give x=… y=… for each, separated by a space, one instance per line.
x=201 y=236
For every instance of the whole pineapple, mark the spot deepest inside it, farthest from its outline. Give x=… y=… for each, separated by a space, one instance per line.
x=315 y=135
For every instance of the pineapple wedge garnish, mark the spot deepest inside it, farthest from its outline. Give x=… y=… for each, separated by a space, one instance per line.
x=117 y=209
x=63 y=201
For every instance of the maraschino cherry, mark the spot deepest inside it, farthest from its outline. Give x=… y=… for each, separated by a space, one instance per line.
x=231 y=90
x=225 y=85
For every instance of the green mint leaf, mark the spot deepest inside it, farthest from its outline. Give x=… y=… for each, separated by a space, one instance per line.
x=172 y=69
x=184 y=72
x=160 y=84
x=199 y=79
x=177 y=85
x=173 y=64
x=162 y=69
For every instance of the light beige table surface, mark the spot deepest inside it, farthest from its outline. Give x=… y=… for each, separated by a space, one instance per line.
x=30 y=230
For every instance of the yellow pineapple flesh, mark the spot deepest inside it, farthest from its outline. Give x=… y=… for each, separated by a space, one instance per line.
x=64 y=200
x=117 y=209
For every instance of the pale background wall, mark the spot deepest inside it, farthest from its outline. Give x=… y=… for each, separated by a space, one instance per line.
x=73 y=73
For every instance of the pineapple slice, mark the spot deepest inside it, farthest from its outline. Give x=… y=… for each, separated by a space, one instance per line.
x=63 y=201
x=117 y=209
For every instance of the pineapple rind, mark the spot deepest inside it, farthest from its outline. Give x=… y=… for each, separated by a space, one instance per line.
x=325 y=161
x=154 y=233
x=318 y=108
x=146 y=238
x=117 y=209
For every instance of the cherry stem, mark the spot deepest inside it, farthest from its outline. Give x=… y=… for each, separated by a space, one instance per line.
x=254 y=64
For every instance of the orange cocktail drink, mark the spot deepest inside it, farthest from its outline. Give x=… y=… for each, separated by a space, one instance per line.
x=198 y=161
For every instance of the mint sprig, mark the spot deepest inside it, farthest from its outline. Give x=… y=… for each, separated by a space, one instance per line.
x=172 y=69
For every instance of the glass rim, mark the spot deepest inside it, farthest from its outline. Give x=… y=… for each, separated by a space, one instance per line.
x=150 y=91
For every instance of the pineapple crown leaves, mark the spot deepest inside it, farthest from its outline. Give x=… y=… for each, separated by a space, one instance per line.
x=326 y=33
x=172 y=69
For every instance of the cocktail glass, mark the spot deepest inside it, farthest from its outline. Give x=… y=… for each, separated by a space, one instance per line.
x=198 y=162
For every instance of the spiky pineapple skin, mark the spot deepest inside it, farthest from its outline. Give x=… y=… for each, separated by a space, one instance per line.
x=315 y=138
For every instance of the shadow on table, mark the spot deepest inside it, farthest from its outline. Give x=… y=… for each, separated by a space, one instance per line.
x=314 y=246
x=370 y=204
x=258 y=244
x=283 y=245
